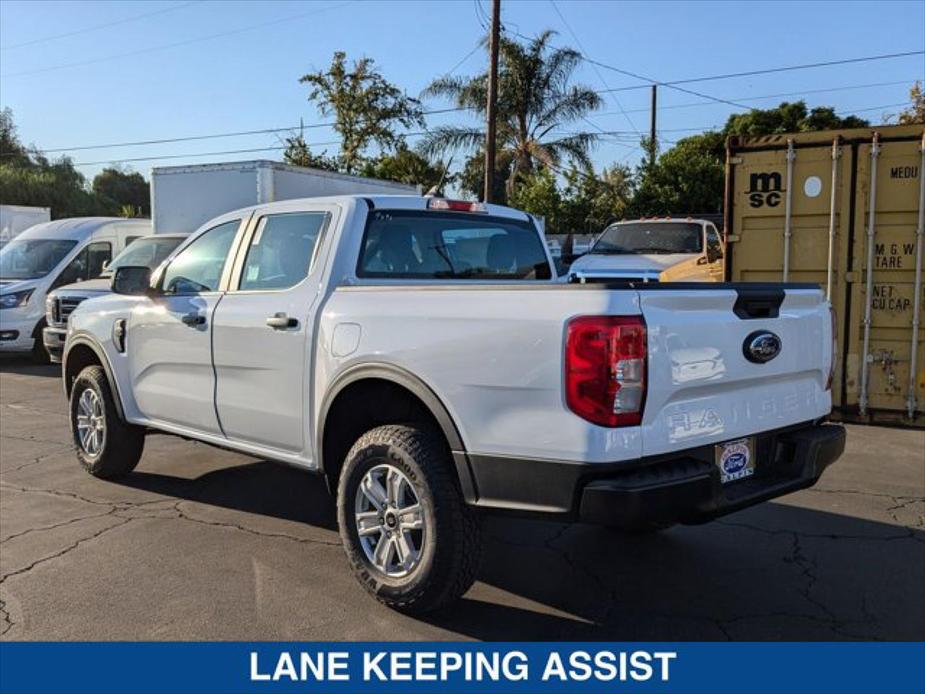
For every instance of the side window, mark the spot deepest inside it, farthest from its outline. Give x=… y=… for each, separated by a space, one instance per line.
x=714 y=244
x=98 y=254
x=280 y=254
x=198 y=267
x=74 y=272
x=87 y=264
x=129 y=240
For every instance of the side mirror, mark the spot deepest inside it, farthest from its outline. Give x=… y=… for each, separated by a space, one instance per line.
x=132 y=279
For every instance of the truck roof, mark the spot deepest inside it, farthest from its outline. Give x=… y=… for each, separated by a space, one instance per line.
x=389 y=202
x=77 y=228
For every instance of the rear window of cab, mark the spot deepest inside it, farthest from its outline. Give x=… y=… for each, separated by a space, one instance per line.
x=414 y=244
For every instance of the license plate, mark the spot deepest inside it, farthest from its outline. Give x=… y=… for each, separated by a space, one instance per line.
x=736 y=460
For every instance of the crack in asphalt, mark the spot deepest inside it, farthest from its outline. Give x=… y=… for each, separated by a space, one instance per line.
x=39 y=459
x=53 y=527
x=7 y=619
x=260 y=533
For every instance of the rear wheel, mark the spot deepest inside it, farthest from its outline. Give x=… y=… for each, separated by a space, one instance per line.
x=410 y=538
x=106 y=446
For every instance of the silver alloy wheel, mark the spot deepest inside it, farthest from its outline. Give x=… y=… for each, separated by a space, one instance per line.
x=390 y=521
x=91 y=423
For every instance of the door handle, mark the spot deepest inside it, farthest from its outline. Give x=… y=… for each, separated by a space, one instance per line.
x=193 y=319
x=280 y=321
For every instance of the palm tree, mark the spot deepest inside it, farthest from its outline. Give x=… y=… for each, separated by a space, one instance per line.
x=534 y=100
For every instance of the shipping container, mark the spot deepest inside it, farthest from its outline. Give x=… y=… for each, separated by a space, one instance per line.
x=183 y=197
x=843 y=209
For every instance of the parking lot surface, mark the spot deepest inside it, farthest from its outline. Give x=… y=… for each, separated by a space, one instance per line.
x=200 y=543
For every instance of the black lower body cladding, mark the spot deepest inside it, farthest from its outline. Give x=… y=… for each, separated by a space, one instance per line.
x=680 y=487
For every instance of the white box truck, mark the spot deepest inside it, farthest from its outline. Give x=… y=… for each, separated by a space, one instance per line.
x=183 y=197
x=17 y=218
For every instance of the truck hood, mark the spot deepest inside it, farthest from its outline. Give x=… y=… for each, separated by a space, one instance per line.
x=101 y=285
x=644 y=262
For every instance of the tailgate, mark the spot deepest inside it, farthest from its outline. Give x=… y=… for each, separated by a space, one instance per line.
x=706 y=386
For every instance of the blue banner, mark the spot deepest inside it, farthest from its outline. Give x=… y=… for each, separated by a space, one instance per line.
x=462 y=668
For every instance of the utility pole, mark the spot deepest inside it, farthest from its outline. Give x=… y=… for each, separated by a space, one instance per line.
x=653 y=148
x=492 y=106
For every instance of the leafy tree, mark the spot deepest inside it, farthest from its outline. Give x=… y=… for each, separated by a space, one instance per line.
x=591 y=202
x=471 y=179
x=367 y=108
x=28 y=178
x=789 y=117
x=916 y=111
x=538 y=194
x=407 y=166
x=689 y=177
x=535 y=100
x=298 y=154
x=116 y=189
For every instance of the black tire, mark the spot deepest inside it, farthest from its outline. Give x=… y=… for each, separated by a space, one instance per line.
x=451 y=554
x=39 y=353
x=122 y=443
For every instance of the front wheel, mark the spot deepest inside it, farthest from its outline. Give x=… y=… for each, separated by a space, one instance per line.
x=106 y=446
x=410 y=538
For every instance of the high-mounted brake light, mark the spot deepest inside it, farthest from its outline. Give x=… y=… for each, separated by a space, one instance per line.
x=605 y=369
x=455 y=205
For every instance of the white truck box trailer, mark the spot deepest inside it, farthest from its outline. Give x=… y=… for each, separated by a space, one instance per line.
x=184 y=197
x=17 y=218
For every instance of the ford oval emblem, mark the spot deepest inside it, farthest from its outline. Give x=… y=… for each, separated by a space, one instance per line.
x=735 y=462
x=761 y=346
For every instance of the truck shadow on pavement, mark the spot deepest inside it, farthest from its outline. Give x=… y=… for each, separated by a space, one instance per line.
x=774 y=572
x=24 y=366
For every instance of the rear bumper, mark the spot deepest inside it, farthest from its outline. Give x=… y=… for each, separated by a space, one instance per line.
x=683 y=487
x=54 y=338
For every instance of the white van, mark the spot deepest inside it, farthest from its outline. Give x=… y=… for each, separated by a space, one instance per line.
x=50 y=255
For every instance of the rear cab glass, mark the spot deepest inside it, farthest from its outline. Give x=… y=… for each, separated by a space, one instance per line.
x=429 y=245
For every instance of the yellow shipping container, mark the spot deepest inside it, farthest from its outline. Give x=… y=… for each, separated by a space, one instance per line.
x=843 y=209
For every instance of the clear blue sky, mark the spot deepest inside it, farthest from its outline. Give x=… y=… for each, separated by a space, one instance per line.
x=173 y=69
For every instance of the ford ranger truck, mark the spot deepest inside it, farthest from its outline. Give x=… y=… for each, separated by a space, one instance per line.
x=421 y=356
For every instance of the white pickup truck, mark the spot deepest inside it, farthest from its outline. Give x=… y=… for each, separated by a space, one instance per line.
x=420 y=354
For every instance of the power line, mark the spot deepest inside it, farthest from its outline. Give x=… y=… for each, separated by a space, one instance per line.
x=643 y=78
x=766 y=96
x=803 y=66
x=186 y=42
x=211 y=136
x=598 y=72
x=215 y=154
x=96 y=27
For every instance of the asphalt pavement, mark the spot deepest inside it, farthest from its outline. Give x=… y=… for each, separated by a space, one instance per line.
x=204 y=544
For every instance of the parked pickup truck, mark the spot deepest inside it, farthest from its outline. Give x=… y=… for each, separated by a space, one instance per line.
x=655 y=250
x=420 y=354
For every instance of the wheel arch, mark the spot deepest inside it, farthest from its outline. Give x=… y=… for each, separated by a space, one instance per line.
x=82 y=352
x=387 y=376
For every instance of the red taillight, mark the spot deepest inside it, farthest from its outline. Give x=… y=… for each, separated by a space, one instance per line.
x=455 y=205
x=605 y=369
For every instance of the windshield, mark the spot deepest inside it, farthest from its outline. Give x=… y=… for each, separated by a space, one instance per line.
x=657 y=237
x=149 y=252
x=29 y=259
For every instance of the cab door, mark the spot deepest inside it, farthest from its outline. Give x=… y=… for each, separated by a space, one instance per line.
x=169 y=336
x=262 y=330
